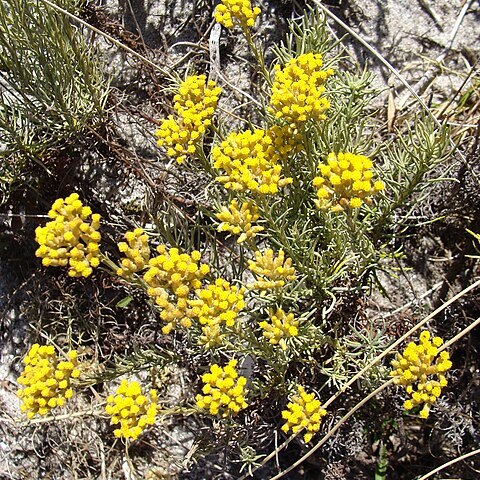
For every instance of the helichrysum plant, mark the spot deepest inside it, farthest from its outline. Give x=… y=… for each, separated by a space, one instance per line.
x=238 y=220
x=71 y=239
x=223 y=390
x=195 y=104
x=46 y=379
x=231 y=13
x=304 y=412
x=131 y=410
x=309 y=235
x=420 y=369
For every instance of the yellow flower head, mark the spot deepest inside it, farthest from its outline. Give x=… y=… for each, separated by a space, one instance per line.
x=238 y=221
x=131 y=410
x=280 y=327
x=195 y=104
x=171 y=277
x=71 y=238
x=420 y=369
x=304 y=412
x=271 y=271
x=177 y=272
x=223 y=390
x=250 y=159
x=46 y=379
x=297 y=92
x=136 y=251
x=345 y=182
x=212 y=336
x=236 y=12
x=174 y=310
x=218 y=303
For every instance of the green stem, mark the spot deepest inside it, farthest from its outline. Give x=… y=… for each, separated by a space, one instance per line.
x=351 y=218
x=258 y=54
x=112 y=268
x=382 y=462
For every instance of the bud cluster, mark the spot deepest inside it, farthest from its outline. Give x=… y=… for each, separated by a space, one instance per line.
x=46 y=379
x=171 y=277
x=131 y=409
x=421 y=372
x=304 y=412
x=136 y=251
x=71 y=238
x=271 y=271
x=223 y=391
x=195 y=104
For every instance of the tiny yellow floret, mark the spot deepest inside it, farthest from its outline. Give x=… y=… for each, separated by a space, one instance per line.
x=420 y=369
x=304 y=412
x=46 y=379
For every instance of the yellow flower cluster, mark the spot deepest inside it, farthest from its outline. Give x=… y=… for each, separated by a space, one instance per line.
x=250 y=159
x=174 y=274
x=271 y=271
x=280 y=327
x=236 y=12
x=195 y=104
x=131 y=409
x=303 y=412
x=413 y=368
x=345 y=181
x=71 y=238
x=216 y=305
x=298 y=88
x=211 y=336
x=223 y=391
x=46 y=379
x=238 y=221
x=137 y=253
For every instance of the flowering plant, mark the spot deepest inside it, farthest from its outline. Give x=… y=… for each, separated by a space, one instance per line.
x=307 y=192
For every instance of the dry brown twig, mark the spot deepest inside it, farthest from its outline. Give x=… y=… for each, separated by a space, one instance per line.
x=448 y=464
